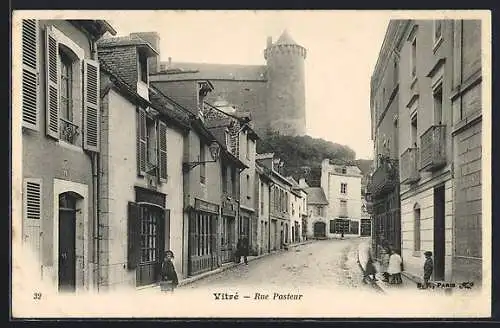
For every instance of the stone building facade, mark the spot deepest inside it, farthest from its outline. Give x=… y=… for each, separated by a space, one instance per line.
x=438 y=77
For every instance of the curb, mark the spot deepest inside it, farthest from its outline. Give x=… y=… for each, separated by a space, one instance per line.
x=374 y=284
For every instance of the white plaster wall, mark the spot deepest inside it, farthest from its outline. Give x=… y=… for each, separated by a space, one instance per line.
x=352 y=196
x=122 y=179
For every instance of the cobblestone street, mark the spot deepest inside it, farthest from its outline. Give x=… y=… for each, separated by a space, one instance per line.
x=328 y=264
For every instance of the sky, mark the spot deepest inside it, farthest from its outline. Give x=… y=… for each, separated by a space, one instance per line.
x=342 y=49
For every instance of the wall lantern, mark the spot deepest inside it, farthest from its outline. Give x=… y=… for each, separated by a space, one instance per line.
x=214 y=149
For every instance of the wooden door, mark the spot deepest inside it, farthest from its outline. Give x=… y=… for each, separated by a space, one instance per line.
x=67 y=252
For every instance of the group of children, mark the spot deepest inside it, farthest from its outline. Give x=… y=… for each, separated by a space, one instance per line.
x=395 y=267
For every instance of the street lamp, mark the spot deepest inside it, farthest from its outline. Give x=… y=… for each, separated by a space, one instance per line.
x=214 y=149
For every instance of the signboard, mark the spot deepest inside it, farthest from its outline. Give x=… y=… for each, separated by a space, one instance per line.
x=201 y=205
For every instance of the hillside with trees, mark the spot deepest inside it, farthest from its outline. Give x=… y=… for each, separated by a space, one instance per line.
x=303 y=154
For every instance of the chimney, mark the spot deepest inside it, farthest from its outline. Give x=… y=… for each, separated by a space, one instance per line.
x=154 y=39
x=169 y=63
x=269 y=41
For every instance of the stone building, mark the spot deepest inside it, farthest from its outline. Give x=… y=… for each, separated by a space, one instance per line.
x=274 y=93
x=60 y=146
x=341 y=184
x=317 y=218
x=437 y=72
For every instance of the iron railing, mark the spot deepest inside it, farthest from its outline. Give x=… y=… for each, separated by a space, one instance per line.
x=69 y=131
x=433 y=148
x=409 y=166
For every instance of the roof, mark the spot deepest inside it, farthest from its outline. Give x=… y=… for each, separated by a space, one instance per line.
x=285 y=38
x=178 y=71
x=98 y=28
x=129 y=40
x=316 y=196
x=167 y=109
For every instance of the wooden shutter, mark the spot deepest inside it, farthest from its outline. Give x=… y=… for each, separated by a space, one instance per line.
x=32 y=216
x=31 y=115
x=52 y=84
x=141 y=141
x=162 y=150
x=167 y=229
x=91 y=105
x=133 y=235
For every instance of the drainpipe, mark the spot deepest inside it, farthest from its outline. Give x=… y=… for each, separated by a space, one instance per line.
x=269 y=218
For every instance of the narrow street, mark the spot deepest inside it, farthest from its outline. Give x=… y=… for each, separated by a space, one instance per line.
x=328 y=264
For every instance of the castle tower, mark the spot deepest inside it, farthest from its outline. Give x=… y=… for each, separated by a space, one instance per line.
x=286 y=85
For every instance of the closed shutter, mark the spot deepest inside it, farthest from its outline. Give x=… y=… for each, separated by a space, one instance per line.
x=133 y=235
x=162 y=150
x=91 y=103
x=31 y=115
x=52 y=84
x=32 y=203
x=141 y=141
x=167 y=230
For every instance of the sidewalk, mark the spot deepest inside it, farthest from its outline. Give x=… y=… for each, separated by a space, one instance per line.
x=389 y=288
x=227 y=266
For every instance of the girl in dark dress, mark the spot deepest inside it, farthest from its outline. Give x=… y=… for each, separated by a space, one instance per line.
x=169 y=279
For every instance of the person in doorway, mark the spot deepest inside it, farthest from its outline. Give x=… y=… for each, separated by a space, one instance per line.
x=169 y=279
x=395 y=268
x=428 y=268
x=242 y=249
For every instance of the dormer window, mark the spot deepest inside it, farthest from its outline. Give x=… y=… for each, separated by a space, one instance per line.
x=143 y=67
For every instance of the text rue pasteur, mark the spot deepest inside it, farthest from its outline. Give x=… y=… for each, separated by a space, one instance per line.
x=258 y=296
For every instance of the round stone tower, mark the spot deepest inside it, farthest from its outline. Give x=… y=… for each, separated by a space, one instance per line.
x=286 y=103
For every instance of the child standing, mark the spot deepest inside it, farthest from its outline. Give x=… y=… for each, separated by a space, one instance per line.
x=395 y=267
x=428 y=268
x=168 y=275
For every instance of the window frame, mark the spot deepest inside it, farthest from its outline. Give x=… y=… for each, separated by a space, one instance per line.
x=439 y=39
x=413 y=58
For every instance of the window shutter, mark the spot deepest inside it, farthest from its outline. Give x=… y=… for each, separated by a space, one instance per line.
x=162 y=150
x=133 y=235
x=167 y=229
x=32 y=216
x=52 y=84
x=91 y=101
x=141 y=141
x=31 y=116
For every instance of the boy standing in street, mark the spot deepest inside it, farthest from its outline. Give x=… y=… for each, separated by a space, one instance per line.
x=428 y=268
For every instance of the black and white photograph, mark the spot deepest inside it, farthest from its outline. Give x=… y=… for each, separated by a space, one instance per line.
x=251 y=163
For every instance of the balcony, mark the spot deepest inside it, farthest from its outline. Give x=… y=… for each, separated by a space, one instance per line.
x=68 y=131
x=384 y=179
x=409 y=166
x=433 y=148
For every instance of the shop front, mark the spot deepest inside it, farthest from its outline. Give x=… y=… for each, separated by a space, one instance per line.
x=202 y=245
x=227 y=234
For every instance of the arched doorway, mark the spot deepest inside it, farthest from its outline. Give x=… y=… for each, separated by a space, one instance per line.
x=67 y=242
x=319 y=230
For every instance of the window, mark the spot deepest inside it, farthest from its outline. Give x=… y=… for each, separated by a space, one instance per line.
x=438 y=105
x=416 y=228
x=262 y=198
x=344 y=170
x=151 y=155
x=202 y=165
x=332 y=226
x=396 y=71
x=318 y=211
x=343 y=208
x=413 y=60
x=249 y=187
x=224 y=178
x=227 y=140
x=64 y=103
x=234 y=186
x=437 y=31
x=248 y=147
x=68 y=131
x=149 y=234
x=414 y=131
x=343 y=188
x=143 y=67
x=151 y=146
